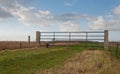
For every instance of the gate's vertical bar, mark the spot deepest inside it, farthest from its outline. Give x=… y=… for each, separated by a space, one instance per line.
x=106 y=39
x=54 y=38
x=28 y=41
x=69 y=38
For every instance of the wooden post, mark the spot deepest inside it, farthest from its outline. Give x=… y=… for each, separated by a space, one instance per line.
x=20 y=44
x=106 y=39
x=38 y=37
x=28 y=41
x=86 y=39
x=116 y=49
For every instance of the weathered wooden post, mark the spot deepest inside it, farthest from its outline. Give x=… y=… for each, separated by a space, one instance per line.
x=86 y=39
x=38 y=37
x=28 y=41
x=106 y=39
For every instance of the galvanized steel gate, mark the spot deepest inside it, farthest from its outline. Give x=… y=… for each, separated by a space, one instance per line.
x=68 y=38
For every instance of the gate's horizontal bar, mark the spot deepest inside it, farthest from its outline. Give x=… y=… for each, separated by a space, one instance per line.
x=72 y=35
x=77 y=32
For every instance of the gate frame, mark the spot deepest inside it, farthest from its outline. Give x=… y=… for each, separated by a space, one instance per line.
x=106 y=43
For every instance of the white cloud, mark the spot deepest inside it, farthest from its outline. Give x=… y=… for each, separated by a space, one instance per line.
x=110 y=21
x=69 y=27
x=29 y=15
x=117 y=10
x=102 y=24
x=98 y=24
x=68 y=4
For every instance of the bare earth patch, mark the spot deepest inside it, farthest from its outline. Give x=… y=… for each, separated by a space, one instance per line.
x=88 y=62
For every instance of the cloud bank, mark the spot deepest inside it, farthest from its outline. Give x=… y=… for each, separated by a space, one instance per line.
x=32 y=16
x=111 y=22
x=29 y=15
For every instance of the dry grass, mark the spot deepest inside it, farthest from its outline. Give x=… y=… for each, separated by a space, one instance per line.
x=4 y=45
x=15 y=44
x=24 y=44
x=88 y=62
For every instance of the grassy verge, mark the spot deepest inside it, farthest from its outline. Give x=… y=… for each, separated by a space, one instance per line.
x=29 y=61
x=88 y=62
x=114 y=51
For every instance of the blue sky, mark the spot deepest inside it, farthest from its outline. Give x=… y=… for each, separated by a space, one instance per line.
x=20 y=18
x=90 y=7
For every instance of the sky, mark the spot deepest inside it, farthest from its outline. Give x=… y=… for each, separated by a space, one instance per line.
x=20 y=18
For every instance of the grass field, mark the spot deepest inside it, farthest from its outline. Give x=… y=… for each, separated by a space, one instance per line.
x=28 y=61
x=54 y=60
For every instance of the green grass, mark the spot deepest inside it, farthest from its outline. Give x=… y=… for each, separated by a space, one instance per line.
x=30 y=61
x=112 y=49
x=114 y=52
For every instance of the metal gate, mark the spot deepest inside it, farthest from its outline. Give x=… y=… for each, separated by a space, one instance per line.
x=70 y=38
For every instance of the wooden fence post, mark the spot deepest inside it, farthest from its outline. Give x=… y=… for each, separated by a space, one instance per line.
x=106 y=39
x=28 y=41
x=20 y=44
x=86 y=39
x=38 y=37
x=116 y=49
